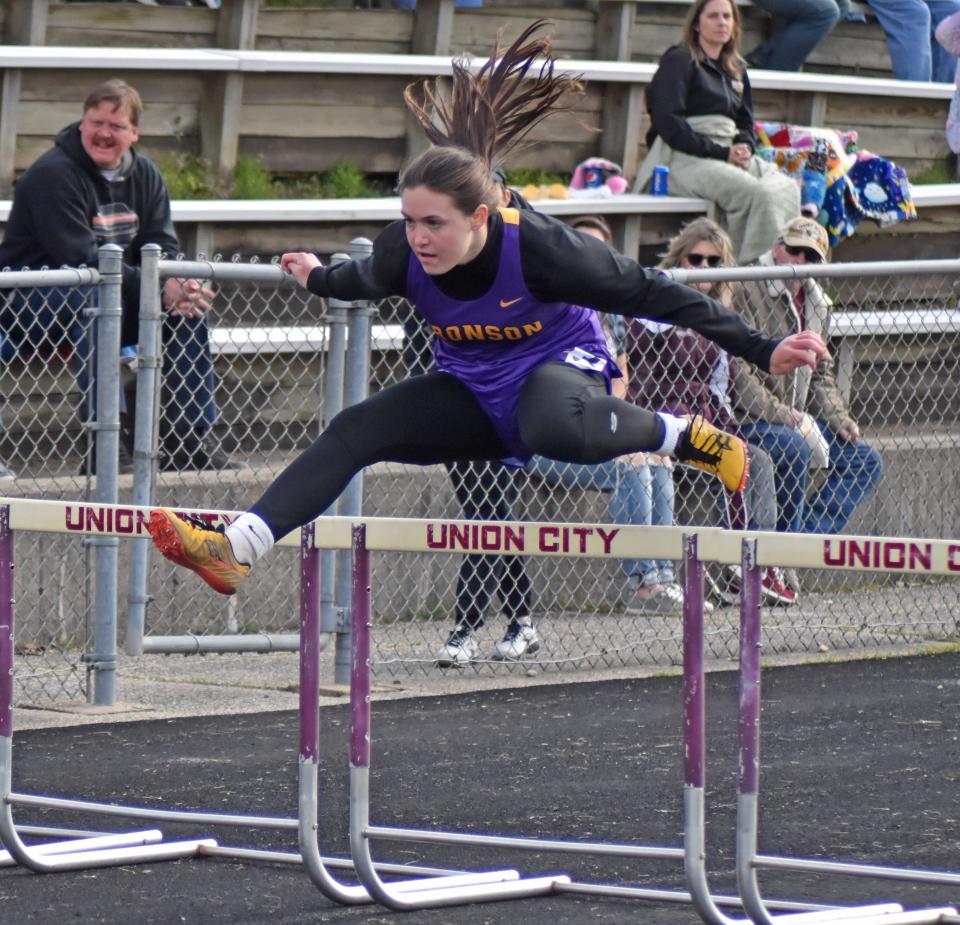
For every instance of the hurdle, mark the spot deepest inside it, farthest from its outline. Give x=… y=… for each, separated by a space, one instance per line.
x=442 y=887
x=381 y=534
x=929 y=557
x=373 y=534
x=84 y=849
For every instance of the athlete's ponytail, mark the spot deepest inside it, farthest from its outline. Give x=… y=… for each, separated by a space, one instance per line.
x=488 y=116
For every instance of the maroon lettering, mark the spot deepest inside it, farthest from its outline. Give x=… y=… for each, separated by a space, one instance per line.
x=831 y=558
x=606 y=537
x=94 y=520
x=124 y=520
x=459 y=535
x=513 y=536
x=921 y=556
x=857 y=554
x=953 y=557
x=894 y=555
x=432 y=541
x=582 y=533
x=549 y=539
x=74 y=518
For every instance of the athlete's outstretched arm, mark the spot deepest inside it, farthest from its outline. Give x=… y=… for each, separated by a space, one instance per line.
x=375 y=277
x=803 y=349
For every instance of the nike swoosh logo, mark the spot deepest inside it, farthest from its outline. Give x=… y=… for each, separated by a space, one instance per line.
x=505 y=304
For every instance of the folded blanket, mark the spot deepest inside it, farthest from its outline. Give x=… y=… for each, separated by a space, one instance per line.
x=859 y=184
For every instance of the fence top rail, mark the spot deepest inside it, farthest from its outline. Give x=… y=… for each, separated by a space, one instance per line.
x=225 y=270
x=818 y=271
x=65 y=276
x=303 y=62
x=565 y=540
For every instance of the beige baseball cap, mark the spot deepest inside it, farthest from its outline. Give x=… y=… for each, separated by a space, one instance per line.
x=806 y=232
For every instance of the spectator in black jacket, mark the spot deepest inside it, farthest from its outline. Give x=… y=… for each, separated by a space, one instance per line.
x=701 y=117
x=94 y=188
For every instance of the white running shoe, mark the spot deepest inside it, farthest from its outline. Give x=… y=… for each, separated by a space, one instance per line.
x=520 y=639
x=673 y=592
x=459 y=649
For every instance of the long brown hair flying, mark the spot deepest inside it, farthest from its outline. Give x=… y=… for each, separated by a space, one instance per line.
x=489 y=112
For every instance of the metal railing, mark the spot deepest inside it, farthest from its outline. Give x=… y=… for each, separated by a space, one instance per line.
x=898 y=349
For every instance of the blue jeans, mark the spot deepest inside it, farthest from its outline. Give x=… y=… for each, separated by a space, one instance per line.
x=803 y=23
x=909 y=24
x=51 y=319
x=855 y=470
x=639 y=495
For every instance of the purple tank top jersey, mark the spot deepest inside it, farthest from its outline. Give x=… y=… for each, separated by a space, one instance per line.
x=491 y=344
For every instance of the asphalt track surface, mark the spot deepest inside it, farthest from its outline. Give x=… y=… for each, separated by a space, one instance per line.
x=860 y=761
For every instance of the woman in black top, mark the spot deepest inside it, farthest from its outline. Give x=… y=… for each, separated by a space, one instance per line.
x=701 y=127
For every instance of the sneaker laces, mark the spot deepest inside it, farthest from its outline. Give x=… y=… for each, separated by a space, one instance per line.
x=459 y=636
x=199 y=523
x=712 y=449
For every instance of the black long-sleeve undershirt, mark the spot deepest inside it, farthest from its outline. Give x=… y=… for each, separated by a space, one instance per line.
x=559 y=265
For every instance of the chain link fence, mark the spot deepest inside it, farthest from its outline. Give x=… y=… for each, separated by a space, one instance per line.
x=275 y=362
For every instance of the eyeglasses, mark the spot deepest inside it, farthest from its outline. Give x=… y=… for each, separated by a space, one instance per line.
x=809 y=255
x=698 y=260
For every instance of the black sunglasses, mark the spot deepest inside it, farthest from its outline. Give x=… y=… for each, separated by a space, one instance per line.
x=811 y=256
x=698 y=260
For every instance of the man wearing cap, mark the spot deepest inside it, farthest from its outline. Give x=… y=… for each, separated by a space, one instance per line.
x=802 y=420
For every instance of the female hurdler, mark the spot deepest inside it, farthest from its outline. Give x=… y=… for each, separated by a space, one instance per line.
x=522 y=366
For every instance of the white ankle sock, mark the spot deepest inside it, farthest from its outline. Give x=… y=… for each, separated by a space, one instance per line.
x=250 y=538
x=673 y=430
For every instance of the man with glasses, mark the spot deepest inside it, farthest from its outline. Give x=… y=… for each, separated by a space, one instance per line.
x=801 y=419
x=94 y=187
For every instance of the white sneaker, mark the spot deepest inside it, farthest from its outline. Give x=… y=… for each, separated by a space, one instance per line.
x=460 y=648
x=519 y=640
x=674 y=593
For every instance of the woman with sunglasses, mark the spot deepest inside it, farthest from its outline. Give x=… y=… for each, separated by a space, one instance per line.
x=682 y=372
x=521 y=364
x=701 y=127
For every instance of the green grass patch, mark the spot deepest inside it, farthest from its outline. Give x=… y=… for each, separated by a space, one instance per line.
x=524 y=175
x=188 y=176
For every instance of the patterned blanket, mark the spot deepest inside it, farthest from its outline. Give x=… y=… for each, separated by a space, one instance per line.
x=859 y=184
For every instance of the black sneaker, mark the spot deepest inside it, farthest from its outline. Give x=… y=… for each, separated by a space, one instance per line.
x=459 y=649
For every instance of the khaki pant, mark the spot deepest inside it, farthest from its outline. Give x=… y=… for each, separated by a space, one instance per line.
x=753 y=204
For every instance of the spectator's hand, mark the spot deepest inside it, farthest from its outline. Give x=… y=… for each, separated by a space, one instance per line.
x=740 y=154
x=792 y=417
x=803 y=349
x=849 y=431
x=186 y=298
x=299 y=265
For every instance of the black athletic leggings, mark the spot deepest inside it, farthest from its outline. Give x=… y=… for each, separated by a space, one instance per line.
x=564 y=413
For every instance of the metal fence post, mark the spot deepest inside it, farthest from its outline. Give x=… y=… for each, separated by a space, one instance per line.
x=355 y=389
x=103 y=660
x=144 y=439
x=330 y=619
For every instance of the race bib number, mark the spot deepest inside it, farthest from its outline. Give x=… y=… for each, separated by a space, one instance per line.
x=582 y=359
